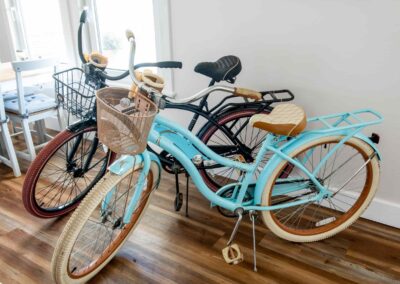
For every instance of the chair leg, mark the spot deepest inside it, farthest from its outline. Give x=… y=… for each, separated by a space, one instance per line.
x=41 y=130
x=61 y=119
x=28 y=139
x=10 y=150
x=14 y=127
x=3 y=150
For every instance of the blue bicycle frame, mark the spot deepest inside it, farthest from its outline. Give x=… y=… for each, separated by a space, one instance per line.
x=184 y=146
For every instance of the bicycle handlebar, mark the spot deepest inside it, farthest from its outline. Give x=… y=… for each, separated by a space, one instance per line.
x=170 y=64
x=121 y=76
x=101 y=73
x=83 y=19
x=161 y=64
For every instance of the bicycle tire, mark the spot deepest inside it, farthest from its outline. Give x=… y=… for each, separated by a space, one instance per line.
x=34 y=172
x=68 y=253
x=321 y=219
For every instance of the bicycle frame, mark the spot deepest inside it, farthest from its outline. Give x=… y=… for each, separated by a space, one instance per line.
x=210 y=114
x=184 y=145
x=224 y=107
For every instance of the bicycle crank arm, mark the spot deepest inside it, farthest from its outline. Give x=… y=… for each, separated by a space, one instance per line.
x=232 y=253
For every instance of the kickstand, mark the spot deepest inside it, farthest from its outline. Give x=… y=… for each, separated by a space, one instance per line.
x=253 y=216
x=178 y=195
x=187 y=195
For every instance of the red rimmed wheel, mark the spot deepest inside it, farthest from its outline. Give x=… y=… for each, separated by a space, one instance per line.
x=64 y=171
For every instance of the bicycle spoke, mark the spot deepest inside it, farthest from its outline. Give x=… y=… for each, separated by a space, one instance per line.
x=104 y=226
x=344 y=174
x=242 y=132
x=62 y=181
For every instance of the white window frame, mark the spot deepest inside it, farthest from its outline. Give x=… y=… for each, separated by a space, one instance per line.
x=7 y=47
x=162 y=26
x=70 y=13
x=9 y=23
x=16 y=22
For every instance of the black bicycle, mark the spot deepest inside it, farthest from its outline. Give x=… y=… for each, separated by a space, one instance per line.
x=68 y=167
x=227 y=130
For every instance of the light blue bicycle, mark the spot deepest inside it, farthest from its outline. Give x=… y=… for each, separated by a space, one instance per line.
x=316 y=183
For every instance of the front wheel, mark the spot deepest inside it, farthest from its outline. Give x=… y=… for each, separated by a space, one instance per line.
x=351 y=175
x=96 y=229
x=63 y=172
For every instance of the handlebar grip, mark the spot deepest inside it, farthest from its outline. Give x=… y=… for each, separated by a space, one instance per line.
x=129 y=34
x=169 y=64
x=161 y=64
x=247 y=93
x=80 y=48
x=84 y=15
x=82 y=22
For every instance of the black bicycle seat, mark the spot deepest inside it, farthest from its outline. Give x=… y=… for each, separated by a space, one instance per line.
x=224 y=69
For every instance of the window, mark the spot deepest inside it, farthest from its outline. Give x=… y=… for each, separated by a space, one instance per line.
x=113 y=18
x=36 y=28
x=44 y=28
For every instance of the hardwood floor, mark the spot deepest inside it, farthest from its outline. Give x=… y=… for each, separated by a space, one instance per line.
x=167 y=247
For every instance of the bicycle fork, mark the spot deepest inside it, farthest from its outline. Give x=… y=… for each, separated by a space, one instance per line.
x=85 y=164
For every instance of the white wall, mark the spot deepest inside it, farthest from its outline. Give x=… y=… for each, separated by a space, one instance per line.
x=335 y=55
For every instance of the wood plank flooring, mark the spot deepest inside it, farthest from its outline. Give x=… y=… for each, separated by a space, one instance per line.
x=167 y=247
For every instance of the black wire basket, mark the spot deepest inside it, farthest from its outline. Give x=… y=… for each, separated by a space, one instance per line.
x=75 y=92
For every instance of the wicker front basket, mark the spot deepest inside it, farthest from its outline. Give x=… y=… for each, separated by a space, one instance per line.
x=124 y=128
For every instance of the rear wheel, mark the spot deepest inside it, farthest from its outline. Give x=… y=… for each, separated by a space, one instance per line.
x=63 y=172
x=96 y=230
x=240 y=131
x=351 y=175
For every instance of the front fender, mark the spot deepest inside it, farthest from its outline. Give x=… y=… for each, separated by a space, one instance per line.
x=156 y=166
x=290 y=146
x=127 y=162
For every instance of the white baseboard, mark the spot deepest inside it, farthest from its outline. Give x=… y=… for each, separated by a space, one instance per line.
x=379 y=210
x=384 y=212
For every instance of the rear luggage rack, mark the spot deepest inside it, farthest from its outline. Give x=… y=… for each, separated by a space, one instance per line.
x=342 y=121
x=268 y=98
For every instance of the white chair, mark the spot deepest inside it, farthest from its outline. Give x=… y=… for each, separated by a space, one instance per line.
x=7 y=155
x=25 y=109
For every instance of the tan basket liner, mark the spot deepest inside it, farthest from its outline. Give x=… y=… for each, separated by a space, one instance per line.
x=124 y=129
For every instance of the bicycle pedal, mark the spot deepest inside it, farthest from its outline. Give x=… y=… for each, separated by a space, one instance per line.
x=232 y=254
x=240 y=158
x=178 y=201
